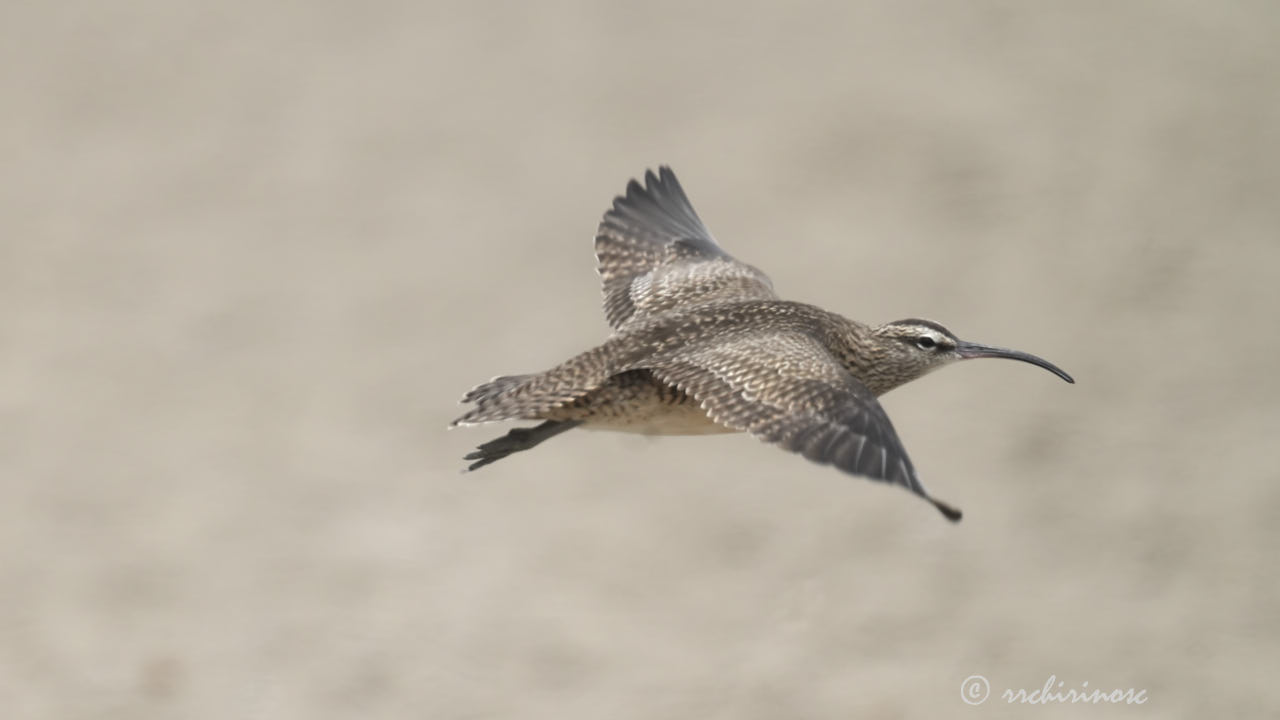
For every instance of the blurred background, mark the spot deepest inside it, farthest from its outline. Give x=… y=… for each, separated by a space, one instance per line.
x=251 y=255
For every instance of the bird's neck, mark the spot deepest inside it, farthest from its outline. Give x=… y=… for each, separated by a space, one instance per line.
x=865 y=357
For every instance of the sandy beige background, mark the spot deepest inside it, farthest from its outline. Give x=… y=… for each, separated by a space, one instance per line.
x=251 y=255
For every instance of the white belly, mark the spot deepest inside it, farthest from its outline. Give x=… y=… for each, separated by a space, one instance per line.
x=656 y=419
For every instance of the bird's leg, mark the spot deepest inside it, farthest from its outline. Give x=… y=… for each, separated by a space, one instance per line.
x=516 y=440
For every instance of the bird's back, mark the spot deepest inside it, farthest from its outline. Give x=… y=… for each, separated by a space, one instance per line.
x=790 y=330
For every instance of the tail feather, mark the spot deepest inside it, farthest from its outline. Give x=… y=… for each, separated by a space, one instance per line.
x=494 y=388
x=529 y=397
x=517 y=397
x=491 y=400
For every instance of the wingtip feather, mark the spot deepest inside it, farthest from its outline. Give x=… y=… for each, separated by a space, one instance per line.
x=949 y=512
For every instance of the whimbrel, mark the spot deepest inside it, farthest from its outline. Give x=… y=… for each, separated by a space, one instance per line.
x=701 y=344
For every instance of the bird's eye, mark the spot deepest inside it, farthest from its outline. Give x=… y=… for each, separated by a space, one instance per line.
x=925 y=342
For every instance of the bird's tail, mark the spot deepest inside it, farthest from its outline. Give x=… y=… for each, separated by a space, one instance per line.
x=494 y=400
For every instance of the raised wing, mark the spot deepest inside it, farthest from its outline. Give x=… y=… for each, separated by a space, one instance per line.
x=785 y=388
x=654 y=255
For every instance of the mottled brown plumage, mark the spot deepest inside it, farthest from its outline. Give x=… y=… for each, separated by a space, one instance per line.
x=702 y=344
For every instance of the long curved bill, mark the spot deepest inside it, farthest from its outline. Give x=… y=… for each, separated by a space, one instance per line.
x=974 y=350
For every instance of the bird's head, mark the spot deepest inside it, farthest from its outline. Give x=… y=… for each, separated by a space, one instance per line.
x=908 y=349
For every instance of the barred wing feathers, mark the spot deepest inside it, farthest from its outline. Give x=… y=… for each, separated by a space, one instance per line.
x=785 y=388
x=654 y=255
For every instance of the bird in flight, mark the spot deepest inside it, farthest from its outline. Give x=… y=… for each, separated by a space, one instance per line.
x=702 y=344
